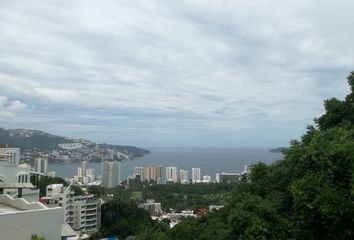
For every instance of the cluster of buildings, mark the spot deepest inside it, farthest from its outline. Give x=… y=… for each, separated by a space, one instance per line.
x=65 y=214
x=85 y=176
x=153 y=173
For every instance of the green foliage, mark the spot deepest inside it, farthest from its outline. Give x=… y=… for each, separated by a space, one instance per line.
x=36 y=237
x=190 y=196
x=45 y=181
x=77 y=190
x=124 y=219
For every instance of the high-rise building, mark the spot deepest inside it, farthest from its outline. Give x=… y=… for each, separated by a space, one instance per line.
x=41 y=165
x=139 y=171
x=83 y=166
x=153 y=173
x=110 y=174
x=195 y=175
x=79 y=172
x=218 y=177
x=183 y=176
x=90 y=174
x=171 y=174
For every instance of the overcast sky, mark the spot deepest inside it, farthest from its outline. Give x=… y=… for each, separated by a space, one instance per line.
x=173 y=73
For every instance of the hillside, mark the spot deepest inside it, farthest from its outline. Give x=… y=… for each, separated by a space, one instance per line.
x=34 y=143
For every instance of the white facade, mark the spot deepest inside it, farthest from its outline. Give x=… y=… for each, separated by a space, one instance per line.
x=171 y=174
x=196 y=175
x=110 y=174
x=20 y=219
x=183 y=176
x=13 y=172
x=218 y=178
x=10 y=155
x=82 y=213
x=206 y=179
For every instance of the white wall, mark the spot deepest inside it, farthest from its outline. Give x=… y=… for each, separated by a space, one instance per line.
x=21 y=225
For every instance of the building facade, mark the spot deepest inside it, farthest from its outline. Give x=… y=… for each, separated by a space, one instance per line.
x=81 y=212
x=171 y=174
x=110 y=174
x=153 y=173
x=196 y=175
x=183 y=176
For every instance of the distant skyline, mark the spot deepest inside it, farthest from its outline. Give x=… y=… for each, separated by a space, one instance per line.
x=173 y=73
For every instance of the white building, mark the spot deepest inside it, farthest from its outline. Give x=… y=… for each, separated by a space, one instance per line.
x=206 y=179
x=196 y=175
x=14 y=174
x=183 y=176
x=151 y=206
x=82 y=213
x=110 y=174
x=10 y=155
x=218 y=178
x=171 y=174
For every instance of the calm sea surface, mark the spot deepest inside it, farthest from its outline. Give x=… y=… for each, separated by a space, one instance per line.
x=210 y=160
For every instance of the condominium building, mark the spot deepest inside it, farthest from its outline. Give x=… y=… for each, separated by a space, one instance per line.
x=110 y=174
x=171 y=174
x=82 y=212
x=41 y=165
x=196 y=175
x=139 y=171
x=183 y=176
x=153 y=173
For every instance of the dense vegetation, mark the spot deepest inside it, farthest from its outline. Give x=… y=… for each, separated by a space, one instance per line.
x=308 y=195
x=177 y=196
x=124 y=218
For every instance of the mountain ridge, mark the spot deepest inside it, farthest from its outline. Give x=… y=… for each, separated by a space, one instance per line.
x=37 y=143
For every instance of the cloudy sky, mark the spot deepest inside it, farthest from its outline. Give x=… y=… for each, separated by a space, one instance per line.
x=173 y=73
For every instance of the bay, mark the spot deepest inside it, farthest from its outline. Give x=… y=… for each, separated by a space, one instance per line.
x=210 y=160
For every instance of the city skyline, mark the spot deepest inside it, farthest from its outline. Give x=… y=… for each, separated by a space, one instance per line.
x=157 y=73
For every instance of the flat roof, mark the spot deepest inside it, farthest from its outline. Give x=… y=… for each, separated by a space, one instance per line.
x=16 y=185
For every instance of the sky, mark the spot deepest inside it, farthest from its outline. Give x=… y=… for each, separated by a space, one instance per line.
x=173 y=73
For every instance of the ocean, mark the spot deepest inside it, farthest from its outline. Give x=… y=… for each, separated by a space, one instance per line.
x=210 y=160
